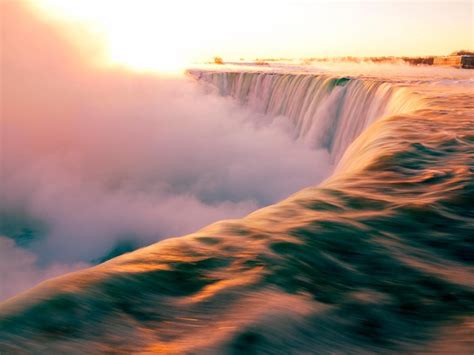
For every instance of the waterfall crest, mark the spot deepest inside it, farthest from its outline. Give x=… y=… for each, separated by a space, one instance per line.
x=326 y=112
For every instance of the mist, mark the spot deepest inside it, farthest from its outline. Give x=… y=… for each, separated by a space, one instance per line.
x=93 y=157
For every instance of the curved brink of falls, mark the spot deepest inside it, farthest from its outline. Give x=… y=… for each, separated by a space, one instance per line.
x=378 y=257
x=326 y=112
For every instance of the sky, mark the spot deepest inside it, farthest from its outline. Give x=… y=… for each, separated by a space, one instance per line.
x=148 y=33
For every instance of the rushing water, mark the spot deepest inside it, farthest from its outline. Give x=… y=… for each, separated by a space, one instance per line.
x=327 y=112
x=379 y=257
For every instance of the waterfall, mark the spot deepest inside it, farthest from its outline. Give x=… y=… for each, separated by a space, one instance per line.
x=326 y=112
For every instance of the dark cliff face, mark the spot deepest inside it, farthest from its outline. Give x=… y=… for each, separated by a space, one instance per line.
x=377 y=258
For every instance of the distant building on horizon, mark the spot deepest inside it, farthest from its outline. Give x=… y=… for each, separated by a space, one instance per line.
x=460 y=61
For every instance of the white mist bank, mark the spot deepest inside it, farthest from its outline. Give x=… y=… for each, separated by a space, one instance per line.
x=101 y=156
x=19 y=270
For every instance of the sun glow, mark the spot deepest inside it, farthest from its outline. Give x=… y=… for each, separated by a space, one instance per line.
x=139 y=34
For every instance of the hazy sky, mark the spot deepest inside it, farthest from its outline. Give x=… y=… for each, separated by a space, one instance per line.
x=143 y=33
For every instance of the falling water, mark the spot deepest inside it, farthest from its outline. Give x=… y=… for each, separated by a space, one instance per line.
x=325 y=111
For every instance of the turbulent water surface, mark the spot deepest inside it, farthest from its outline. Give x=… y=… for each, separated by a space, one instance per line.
x=378 y=257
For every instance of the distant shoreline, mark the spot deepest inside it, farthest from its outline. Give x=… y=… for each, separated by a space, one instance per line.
x=459 y=59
